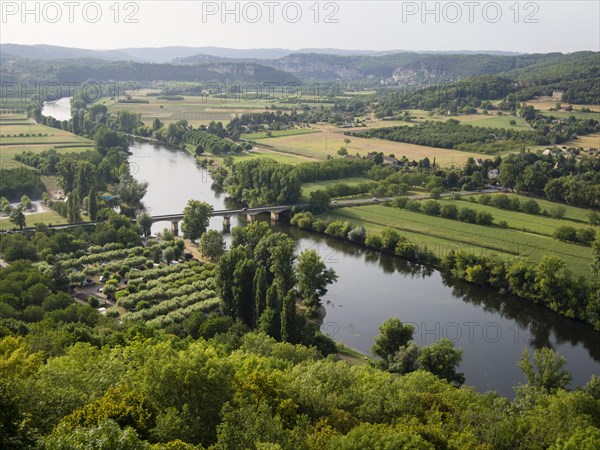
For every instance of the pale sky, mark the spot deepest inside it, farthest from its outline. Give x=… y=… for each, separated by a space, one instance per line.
x=539 y=26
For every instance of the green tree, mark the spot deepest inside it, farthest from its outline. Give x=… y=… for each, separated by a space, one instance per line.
x=319 y=201
x=25 y=202
x=130 y=191
x=105 y=436
x=343 y=151
x=17 y=217
x=236 y=272
x=313 y=278
x=431 y=207
x=566 y=233
x=212 y=245
x=596 y=256
x=73 y=212
x=168 y=254
x=289 y=320
x=558 y=212
x=93 y=204
x=196 y=217
x=144 y=220
x=546 y=370
x=405 y=359
x=441 y=359
x=393 y=335
x=260 y=291
x=281 y=262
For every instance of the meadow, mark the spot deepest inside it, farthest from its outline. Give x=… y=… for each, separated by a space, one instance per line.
x=31 y=220
x=572 y=213
x=443 y=235
x=530 y=223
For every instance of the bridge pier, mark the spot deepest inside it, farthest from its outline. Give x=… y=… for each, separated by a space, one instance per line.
x=175 y=228
x=274 y=215
x=250 y=218
x=226 y=224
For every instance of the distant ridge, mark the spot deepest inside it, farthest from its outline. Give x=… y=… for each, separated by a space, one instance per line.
x=171 y=53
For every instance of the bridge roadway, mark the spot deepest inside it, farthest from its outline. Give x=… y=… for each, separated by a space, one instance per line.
x=275 y=211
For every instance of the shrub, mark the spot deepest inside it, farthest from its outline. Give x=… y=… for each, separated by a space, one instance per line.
x=558 y=212
x=467 y=215
x=449 y=211
x=530 y=207
x=431 y=207
x=320 y=225
x=358 y=234
x=566 y=233
x=413 y=205
x=484 y=218
x=373 y=241
x=586 y=235
x=485 y=199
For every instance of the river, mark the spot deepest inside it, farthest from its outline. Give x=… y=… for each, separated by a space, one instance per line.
x=492 y=330
x=59 y=109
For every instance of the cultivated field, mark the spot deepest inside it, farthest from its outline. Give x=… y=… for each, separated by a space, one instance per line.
x=443 y=235
x=197 y=110
x=319 y=145
x=14 y=139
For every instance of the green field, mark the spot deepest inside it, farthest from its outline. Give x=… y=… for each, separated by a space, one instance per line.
x=572 y=213
x=577 y=114
x=62 y=141
x=279 y=133
x=309 y=188
x=442 y=235
x=537 y=224
x=47 y=218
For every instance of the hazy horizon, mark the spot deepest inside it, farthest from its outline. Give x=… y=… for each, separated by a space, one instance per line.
x=532 y=27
